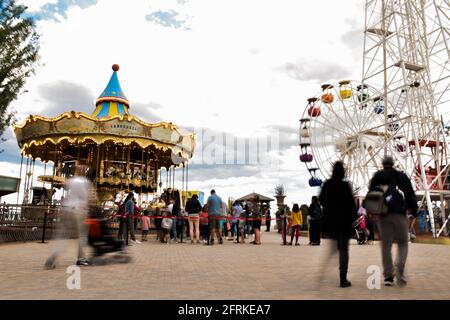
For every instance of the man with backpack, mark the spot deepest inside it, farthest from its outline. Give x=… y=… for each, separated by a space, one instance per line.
x=400 y=199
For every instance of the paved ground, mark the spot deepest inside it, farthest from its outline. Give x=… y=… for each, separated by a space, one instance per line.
x=229 y=271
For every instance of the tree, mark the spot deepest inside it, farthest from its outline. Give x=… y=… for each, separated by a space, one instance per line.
x=18 y=55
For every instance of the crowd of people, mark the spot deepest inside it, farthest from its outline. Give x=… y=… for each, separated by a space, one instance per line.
x=334 y=213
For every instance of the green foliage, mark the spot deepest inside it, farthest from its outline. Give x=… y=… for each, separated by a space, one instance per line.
x=280 y=190
x=18 y=55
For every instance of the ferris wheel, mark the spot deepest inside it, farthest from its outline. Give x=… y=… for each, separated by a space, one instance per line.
x=347 y=122
x=397 y=108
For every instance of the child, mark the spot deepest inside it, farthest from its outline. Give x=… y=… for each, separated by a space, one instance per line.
x=166 y=226
x=145 y=225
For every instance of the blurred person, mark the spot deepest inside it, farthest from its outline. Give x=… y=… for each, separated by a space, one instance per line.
x=315 y=221
x=401 y=201
x=297 y=221
x=214 y=205
x=339 y=213
x=76 y=206
x=193 y=208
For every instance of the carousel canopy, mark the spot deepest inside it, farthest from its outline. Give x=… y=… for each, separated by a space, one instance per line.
x=40 y=137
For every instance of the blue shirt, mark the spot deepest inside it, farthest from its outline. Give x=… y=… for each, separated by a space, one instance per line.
x=214 y=205
x=129 y=207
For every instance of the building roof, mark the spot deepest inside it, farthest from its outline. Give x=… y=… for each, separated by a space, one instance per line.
x=251 y=197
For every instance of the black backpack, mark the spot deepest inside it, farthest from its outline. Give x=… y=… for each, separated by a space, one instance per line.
x=394 y=199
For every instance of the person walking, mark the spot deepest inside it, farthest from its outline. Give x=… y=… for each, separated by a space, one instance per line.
x=315 y=221
x=339 y=213
x=297 y=221
x=214 y=204
x=193 y=208
x=393 y=226
x=75 y=208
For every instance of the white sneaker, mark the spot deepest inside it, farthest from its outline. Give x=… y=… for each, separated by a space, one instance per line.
x=136 y=241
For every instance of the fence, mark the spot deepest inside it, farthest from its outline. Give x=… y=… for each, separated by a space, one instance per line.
x=27 y=222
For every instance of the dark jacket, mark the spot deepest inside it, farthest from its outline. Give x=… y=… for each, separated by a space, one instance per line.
x=339 y=208
x=193 y=206
x=390 y=176
x=315 y=211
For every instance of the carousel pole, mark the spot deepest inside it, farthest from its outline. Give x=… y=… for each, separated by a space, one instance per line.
x=97 y=166
x=187 y=175
x=173 y=179
x=142 y=170
x=45 y=172
x=32 y=178
x=20 y=177
x=167 y=177
x=26 y=180
x=182 y=204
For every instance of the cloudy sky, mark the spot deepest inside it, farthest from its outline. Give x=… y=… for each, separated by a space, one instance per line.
x=240 y=67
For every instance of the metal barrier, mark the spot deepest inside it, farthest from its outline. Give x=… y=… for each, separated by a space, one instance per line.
x=22 y=223
x=27 y=222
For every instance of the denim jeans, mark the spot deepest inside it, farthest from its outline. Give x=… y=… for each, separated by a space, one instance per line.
x=174 y=229
x=234 y=227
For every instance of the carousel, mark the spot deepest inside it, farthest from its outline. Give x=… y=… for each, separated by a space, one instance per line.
x=119 y=151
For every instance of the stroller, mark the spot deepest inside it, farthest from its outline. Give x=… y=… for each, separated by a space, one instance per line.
x=101 y=240
x=360 y=230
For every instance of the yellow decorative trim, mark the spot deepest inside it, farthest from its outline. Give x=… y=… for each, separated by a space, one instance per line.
x=79 y=115
x=101 y=139
x=114 y=99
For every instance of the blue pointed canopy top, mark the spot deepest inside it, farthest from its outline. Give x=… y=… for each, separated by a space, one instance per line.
x=112 y=101
x=113 y=91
